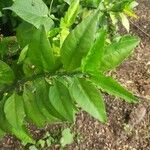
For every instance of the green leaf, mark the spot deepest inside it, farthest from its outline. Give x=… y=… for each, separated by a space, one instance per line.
x=92 y=3
x=23 y=54
x=1 y=14
x=53 y=32
x=4 y=124
x=116 y=53
x=71 y=14
x=29 y=69
x=6 y=75
x=41 y=97
x=125 y=21
x=33 y=147
x=119 y=6
x=78 y=42
x=24 y=33
x=69 y=19
x=93 y=58
x=112 y=87
x=129 y=9
x=64 y=33
x=31 y=108
x=41 y=143
x=5 y=127
x=67 y=137
x=89 y=98
x=61 y=100
x=16 y=115
x=130 y=13
x=2 y=133
x=114 y=18
x=8 y=128
x=49 y=141
x=133 y=4
x=14 y=111
x=32 y=11
x=40 y=52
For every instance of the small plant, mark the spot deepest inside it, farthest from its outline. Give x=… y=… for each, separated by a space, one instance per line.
x=61 y=62
x=47 y=141
x=67 y=137
x=128 y=129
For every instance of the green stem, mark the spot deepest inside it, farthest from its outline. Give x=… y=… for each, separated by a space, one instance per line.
x=50 y=8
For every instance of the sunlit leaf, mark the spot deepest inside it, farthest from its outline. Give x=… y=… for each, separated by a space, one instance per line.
x=78 y=42
x=71 y=14
x=23 y=54
x=93 y=58
x=67 y=137
x=33 y=147
x=112 y=87
x=32 y=11
x=117 y=52
x=89 y=99
x=125 y=21
x=118 y=6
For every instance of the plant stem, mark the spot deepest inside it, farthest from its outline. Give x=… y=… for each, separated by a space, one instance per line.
x=50 y=8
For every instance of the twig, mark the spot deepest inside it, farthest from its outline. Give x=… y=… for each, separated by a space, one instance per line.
x=139 y=28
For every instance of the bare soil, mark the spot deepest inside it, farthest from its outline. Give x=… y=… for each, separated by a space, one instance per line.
x=128 y=126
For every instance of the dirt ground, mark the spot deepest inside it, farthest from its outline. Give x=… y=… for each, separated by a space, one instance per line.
x=128 y=127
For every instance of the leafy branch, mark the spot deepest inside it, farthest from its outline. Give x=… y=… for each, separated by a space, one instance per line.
x=20 y=83
x=76 y=40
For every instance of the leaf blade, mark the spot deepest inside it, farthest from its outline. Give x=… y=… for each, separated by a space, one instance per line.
x=92 y=60
x=125 y=21
x=68 y=20
x=15 y=114
x=34 y=12
x=67 y=137
x=61 y=100
x=31 y=108
x=115 y=53
x=89 y=99
x=40 y=52
x=6 y=75
x=112 y=87
x=78 y=42
x=42 y=96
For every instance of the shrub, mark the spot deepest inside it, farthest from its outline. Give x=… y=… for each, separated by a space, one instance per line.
x=57 y=61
